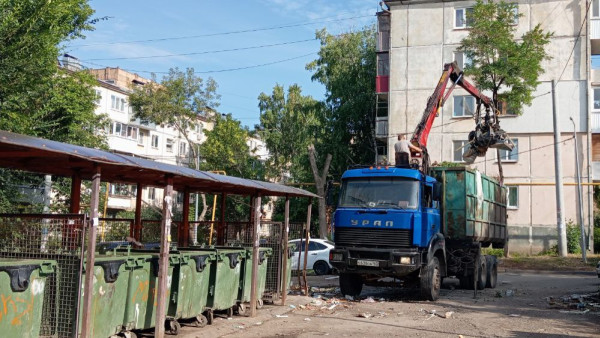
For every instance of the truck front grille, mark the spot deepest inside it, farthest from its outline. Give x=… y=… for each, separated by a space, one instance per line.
x=377 y=238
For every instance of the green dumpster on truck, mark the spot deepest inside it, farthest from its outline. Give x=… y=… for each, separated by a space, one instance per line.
x=22 y=283
x=109 y=294
x=246 y=276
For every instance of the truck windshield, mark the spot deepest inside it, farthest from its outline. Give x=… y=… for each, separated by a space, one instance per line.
x=384 y=192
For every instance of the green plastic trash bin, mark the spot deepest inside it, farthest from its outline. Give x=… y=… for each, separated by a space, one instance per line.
x=140 y=309
x=109 y=294
x=246 y=276
x=22 y=283
x=198 y=265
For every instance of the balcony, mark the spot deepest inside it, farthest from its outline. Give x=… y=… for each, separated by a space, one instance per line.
x=595 y=28
x=382 y=84
x=596 y=171
x=595 y=123
x=381 y=127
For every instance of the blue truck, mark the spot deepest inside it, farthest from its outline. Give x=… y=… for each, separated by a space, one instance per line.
x=419 y=224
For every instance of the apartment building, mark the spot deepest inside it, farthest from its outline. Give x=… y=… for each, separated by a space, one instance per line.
x=416 y=38
x=131 y=136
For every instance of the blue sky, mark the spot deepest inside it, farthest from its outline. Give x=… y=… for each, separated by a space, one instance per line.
x=121 y=42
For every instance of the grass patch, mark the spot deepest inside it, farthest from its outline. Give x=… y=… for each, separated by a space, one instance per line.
x=551 y=263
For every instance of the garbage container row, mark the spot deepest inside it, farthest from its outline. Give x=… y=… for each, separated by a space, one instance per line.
x=124 y=294
x=199 y=281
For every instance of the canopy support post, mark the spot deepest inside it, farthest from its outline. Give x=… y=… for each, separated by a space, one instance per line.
x=163 y=263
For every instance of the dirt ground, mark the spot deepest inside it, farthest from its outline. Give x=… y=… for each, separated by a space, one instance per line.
x=524 y=304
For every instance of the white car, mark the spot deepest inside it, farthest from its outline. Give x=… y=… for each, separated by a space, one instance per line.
x=597 y=269
x=318 y=255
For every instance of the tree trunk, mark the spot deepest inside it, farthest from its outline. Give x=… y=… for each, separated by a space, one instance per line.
x=320 y=180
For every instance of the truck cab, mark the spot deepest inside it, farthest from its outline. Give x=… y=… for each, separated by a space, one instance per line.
x=386 y=223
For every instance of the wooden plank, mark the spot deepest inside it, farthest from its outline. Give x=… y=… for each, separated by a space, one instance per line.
x=307 y=242
x=88 y=286
x=255 y=245
x=286 y=230
x=137 y=226
x=163 y=263
x=184 y=232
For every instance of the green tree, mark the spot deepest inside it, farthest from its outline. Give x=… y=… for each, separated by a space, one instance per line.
x=288 y=124
x=177 y=101
x=346 y=67
x=225 y=149
x=501 y=63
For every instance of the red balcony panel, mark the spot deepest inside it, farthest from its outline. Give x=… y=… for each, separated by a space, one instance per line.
x=382 y=84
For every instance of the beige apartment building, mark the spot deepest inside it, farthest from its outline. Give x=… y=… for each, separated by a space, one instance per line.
x=416 y=38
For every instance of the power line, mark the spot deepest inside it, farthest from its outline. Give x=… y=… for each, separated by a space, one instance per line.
x=201 y=53
x=222 y=33
x=214 y=71
x=529 y=150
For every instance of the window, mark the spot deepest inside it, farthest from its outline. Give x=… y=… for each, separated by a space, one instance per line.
x=511 y=156
x=458 y=149
x=151 y=193
x=463 y=106
x=595 y=9
x=508 y=111
x=182 y=149
x=142 y=136
x=461 y=17
x=120 y=189
x=98 y=97
x=595 y=61
x=123 y=130
x=155 y=141
x=515 y=11
x=117 y=103
x=380 y=192
x=513 y=197
x=462 y=60
x=596 y=99
x=169 y=146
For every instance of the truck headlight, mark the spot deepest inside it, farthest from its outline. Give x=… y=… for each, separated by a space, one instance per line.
x=406 y=260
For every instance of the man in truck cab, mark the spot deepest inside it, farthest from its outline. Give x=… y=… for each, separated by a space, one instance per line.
x=403 y=148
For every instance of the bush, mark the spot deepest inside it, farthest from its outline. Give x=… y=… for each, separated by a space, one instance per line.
x=573 y=238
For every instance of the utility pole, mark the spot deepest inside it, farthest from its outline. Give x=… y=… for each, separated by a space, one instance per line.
x=560 y=216
x=579 y=195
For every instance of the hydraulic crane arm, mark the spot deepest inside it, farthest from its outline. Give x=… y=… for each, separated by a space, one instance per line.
x=487 y=132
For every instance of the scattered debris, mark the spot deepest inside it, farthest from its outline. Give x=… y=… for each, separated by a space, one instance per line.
x=258 y=323
x=307 y=319
x=433 y=313
x=292 y=306
x=576 y=303
x=239 y=326
x=505 y=293
x=332 y=277
x=514 y=315
x=348 y=297
x=281 y=316
x=302 y=306
x=368 y=300
x=364 y=315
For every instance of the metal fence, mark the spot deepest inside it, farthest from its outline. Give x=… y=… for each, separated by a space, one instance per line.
x=151 y=231
x=270 y=236
x=115 y=229
x=55 y=237
x=200 y=232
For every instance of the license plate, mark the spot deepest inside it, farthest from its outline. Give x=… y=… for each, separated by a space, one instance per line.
x=367 y=263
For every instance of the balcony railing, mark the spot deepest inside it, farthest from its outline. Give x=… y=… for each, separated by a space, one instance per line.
x=595 y=28
x=595 y=122
x=382 y=84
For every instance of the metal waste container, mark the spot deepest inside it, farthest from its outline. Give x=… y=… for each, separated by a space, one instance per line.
x=22 y=283
x=109 y=294
x=246 y=277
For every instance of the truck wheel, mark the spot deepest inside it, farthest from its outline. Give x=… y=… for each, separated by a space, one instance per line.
x=431 y=280
x=321 y=268
x=482 y=273
x=492 y=272
x=350 y=284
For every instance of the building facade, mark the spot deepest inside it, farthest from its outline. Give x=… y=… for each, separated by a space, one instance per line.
x=416 y=38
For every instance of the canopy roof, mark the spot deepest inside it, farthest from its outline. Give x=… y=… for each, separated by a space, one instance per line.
x=56 y=158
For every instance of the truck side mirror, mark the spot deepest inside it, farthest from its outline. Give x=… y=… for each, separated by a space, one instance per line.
x=437 y=191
